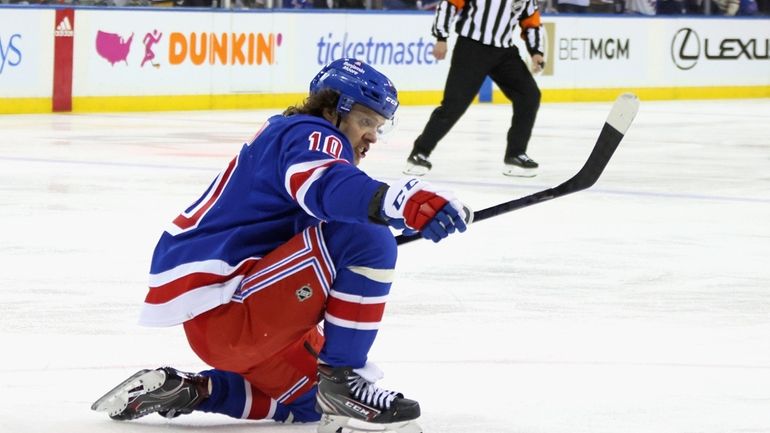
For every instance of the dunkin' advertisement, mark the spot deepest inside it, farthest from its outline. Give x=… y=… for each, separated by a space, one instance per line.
x=175 y=53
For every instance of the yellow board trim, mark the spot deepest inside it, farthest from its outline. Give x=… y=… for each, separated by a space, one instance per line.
x=92 y=104
x=25 y=105
x=184 y=102
x=647 y=93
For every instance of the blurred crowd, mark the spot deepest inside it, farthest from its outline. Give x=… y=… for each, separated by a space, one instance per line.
x=660 y=7
x=634 y=7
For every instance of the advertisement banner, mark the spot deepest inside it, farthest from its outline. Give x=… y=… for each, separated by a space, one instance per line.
x=26 y=47
x=400 y=45
x=202 y=53
x=135 y=59
x=720 y=51
x=198 y=52
x=581 y=53
x=158 y=52
x=644 y=52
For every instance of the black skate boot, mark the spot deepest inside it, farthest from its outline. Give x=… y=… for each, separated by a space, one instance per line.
x=417 y=164
x=348 y=401
x=167 y=391
x=520 y=165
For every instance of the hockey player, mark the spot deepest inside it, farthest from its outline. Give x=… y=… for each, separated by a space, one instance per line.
x=290 y=234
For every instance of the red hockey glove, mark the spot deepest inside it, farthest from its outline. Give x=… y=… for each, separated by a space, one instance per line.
x=412 y=204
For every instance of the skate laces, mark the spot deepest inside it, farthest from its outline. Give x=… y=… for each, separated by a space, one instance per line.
x=370 y=394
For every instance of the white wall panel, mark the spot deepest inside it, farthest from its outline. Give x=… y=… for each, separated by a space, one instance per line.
x=26 y=53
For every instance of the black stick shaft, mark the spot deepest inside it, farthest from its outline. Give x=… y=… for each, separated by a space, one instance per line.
x=622 y=114
x=605 y=146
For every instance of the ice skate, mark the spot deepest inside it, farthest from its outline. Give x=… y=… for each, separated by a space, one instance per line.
x=167 y=391
x=349 y=403
x=520 y=166
x=417 y=164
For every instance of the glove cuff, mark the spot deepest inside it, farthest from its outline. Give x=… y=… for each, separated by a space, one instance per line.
x=396 y=198
x=375 y=205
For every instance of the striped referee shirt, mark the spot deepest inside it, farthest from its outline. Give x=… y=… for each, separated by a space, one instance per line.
x=491 y=22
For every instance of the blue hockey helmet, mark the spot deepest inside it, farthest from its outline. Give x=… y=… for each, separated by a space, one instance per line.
x=357 y=83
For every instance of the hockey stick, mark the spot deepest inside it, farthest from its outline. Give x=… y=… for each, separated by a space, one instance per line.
x=618 y=121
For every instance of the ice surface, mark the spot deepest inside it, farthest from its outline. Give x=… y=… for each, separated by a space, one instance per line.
x=641 y=305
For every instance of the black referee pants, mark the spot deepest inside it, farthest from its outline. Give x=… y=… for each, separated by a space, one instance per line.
x=472 y=61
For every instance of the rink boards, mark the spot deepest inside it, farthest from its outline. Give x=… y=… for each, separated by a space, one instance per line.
x=121 y=59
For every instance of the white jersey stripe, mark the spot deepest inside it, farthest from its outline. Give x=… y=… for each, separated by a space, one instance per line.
x=271 y=411
x=277 y=265
x=378 y=275
x=189 y=304
x=300 y=383
x=365 y=326
x=215 y=267
x=357 y=299
x=249 y=400
x=491 y=22
x=313 y=170
x=308 y=263
x=325 y=253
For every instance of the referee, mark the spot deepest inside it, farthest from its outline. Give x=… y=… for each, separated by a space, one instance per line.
x=486 y=30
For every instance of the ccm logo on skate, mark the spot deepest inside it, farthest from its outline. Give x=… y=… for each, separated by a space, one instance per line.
x=360 y=409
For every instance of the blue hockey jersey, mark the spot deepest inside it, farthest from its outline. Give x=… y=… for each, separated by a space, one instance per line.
x=297 y=171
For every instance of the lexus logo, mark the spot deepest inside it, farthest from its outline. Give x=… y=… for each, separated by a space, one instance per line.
x=685 y=48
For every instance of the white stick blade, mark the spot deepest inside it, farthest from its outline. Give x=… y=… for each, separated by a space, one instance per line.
x=623 y=112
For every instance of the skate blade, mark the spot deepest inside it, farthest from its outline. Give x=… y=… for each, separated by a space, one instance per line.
x=344 y=424
x=516 y=171
x=142 y=382
x=415 y=170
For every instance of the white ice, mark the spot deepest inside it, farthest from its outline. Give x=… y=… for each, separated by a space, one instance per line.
x=641 y=305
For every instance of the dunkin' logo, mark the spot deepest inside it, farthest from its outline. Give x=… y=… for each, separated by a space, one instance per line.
x=223 y=48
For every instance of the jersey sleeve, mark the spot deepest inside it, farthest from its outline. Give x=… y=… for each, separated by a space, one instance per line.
x=442 y=20
x=319 y=176
x=532 y=29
